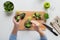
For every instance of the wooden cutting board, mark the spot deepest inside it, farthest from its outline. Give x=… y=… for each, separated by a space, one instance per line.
x=29 y=14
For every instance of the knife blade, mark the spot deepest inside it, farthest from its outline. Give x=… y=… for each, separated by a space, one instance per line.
x=50 y=29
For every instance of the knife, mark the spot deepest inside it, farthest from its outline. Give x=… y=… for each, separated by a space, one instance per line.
x=49 y=28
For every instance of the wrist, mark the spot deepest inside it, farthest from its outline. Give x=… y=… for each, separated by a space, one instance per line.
x=16 y=27
x=37 y=29
x=15 y=30
x=41 y=33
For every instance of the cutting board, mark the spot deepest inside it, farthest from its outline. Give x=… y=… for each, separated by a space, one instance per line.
x=29 y=14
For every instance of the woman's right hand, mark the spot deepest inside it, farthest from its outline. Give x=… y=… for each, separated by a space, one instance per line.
x=35 y=25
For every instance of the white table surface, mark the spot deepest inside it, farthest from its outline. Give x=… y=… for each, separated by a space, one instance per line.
x=6 y=24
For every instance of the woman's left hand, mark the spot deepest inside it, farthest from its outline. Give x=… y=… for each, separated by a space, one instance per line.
x=16 y=24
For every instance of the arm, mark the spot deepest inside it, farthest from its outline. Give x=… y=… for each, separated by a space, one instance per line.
x=13 y=35
x=43 y=37
x=36 y=27
x=14 y=32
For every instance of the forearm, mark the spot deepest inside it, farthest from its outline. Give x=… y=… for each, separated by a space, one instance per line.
x=14 y=32
x=41 y=33
x=43 y=37
x=13 y=35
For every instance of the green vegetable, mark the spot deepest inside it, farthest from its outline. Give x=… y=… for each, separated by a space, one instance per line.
x=8 y=6
x=22 y=15
x=37 y=16
x=46 y=16
x=17 y=18
x=28 y=24
x=46 y=5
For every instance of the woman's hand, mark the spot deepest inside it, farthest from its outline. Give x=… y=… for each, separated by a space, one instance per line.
x=16 y=24
x=36 y=27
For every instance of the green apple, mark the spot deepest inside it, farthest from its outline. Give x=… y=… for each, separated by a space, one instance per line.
x=46 y=5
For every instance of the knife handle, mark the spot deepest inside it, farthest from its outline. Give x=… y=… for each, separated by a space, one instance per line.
x=54 y=33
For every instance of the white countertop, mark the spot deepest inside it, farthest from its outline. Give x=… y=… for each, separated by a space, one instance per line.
x=6 y=24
